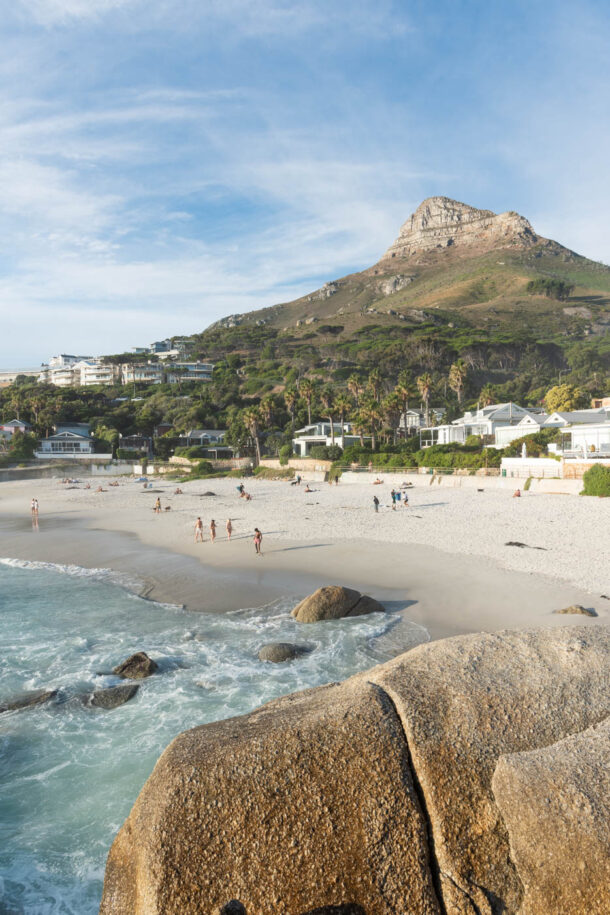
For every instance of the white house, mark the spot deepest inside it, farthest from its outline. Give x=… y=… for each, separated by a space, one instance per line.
x=586 y=440
x=142 y=373
x=535 y=422
x=71 y=440
x=320 y=434
x=189 y=371
x=482 y=422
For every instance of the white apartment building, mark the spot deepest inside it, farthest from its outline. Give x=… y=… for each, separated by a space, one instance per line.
x=189 y=371
x=142 y=373
x=63 y=372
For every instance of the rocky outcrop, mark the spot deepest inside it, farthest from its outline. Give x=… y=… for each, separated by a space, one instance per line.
x=27 y=700
x=380 y=793
x=278 y=652
x=556 y=805
x=334 y=602
x=136 y=667
x=440 y=223
x=306 y=802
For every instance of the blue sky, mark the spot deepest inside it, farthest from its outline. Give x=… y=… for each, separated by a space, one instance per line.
x=167 y=162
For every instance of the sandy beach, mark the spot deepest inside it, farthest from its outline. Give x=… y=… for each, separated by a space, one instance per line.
x=443 y=560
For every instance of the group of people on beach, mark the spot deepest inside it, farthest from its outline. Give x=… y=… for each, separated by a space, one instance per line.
x=398 y=497
x=258 y=537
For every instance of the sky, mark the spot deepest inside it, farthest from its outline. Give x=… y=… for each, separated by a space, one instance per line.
x=165 y=163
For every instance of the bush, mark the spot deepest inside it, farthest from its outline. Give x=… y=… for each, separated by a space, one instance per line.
x=285 y=453
x=553 y=289
x=596 y=481
x=319 y=452
x=194 y=452
x=270 y=473
x=473 y=441
x=129 y=454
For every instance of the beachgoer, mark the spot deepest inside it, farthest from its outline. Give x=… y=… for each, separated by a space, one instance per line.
x=247 y=496
x=393 y=494
x=178 y=492
x=377 y=482
x=34 y=506
x=212 y=530
x=307 y=489
x=376 y=503
x=229 y=528
x=370 y=466
x=406 y=498
x=517 y=494
x=157 y=506
x=199 y=530
x=88 y=486
x=298 y=479
x=99 y=489
x=258 y=539
x=240 y=489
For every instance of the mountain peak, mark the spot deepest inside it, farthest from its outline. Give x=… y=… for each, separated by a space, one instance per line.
x=440 y=223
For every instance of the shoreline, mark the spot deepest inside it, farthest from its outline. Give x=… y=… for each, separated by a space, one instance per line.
x=446 y=593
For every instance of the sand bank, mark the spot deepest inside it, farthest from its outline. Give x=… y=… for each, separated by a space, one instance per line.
x=443 y=559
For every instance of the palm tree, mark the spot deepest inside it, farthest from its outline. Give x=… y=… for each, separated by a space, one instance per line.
x=355 y=388
x=392 y=410
x=327 y=398
x=343 y=405
x=404 y=389
x=424 y=386
x=457 y=376
x=251 y=418
x=375 y=382
x=359 y=426
x=372 y=415
x=266 y=410
x=307 y=390
x=487 y=396
x=290 y=399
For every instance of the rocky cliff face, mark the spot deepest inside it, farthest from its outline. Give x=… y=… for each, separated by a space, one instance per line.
x=451 y=780
x=440 y=223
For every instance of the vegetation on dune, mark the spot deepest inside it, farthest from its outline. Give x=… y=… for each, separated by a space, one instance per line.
x=596 y=481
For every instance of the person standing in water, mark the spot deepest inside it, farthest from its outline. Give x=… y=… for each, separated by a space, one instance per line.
x=229 y=528
x=258 y=539
x=198 y=530
x=212 y=530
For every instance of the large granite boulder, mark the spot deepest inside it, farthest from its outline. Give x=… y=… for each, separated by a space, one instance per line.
x=27 y=700
x=334 y=602
x=376 y=793
x=555 y=802
x=279 y=652
x=136 y=667
x=307 y=802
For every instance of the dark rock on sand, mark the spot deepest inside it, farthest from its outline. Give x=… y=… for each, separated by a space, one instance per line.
x=111 y=697
x=208 y=493
x=282 y=651
x=136 y=667
x=523 y=546
x=334 y=602
x=27 y=700
x=233 y=907
x=578 y=608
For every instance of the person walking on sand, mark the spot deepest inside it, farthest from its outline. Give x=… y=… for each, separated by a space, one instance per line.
x=258 y=539
x=229 y=528
x=157 y=505
x=376 y=503
x=393 y=494
x=212 y=530
x=198 y=530
x=34 y=506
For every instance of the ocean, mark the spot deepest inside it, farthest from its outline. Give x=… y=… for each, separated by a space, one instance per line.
x=69 y=774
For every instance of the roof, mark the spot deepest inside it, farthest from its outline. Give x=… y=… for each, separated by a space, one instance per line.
x=581 y=416
x=16 y=424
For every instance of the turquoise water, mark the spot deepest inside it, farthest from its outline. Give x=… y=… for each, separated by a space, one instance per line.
x=69 y=774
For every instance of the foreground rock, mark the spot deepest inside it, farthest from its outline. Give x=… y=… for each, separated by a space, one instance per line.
x=556 y=805
x=578 y=608
x=136 y=667
x=377 y=793
x=306 y=802
x=112 y=697
x=333 y=603
x=27 y=700
x=278 y=652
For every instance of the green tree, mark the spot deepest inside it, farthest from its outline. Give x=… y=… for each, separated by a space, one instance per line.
x=565 y=397
x=290 y=399
x=424 y=386
x=252 y=420
x=355 y=388
x=307 y=391
x=457 y=378
x=327 y=400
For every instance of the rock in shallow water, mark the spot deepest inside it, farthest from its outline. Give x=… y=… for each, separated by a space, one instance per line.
x=282 y=651
x=112 y=697
x=136 y=667
x=334 y=602
x=27 y=700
